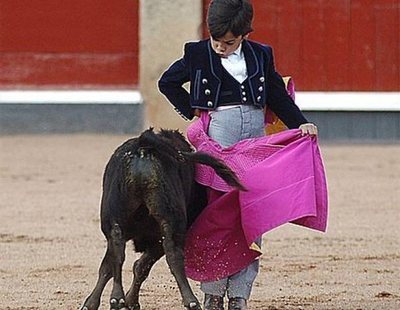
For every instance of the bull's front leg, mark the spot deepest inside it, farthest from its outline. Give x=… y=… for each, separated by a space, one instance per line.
x=117 y=244
x=173 y=247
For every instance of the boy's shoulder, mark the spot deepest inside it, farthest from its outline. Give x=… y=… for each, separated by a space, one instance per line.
x=194 y=45
x=260 y=46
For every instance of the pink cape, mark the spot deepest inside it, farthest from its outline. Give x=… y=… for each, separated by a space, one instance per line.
x=285 y=179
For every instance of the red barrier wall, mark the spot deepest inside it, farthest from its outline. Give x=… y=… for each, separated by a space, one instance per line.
x=74 y=43
x=336 y=45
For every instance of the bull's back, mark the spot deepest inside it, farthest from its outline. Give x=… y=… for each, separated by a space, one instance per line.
x=141 y=179
x=129 y=177
x=139 y=185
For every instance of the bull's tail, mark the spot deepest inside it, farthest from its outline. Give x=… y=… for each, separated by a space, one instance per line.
x=220 y=167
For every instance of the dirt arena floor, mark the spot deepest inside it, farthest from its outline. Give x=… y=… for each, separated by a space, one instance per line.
x=51 y=244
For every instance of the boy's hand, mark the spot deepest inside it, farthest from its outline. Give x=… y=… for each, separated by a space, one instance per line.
x=308 y=128
x=196 y=112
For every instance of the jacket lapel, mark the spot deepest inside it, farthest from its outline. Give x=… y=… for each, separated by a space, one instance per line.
x=252 y=62
x=215 y=62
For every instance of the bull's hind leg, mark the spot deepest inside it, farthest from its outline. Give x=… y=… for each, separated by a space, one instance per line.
x=141 y=270
x=117 y=244
x=105 y=274
x=173 y=246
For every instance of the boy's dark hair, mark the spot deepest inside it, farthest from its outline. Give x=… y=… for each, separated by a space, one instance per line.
x=229 y=15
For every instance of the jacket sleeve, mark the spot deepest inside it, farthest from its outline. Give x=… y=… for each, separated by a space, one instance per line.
x=171 y=85
x=278 y=99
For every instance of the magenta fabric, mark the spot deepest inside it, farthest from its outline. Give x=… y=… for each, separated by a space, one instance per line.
x=285 y=178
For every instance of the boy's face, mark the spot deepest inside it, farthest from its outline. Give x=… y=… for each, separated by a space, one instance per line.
x=226 y=45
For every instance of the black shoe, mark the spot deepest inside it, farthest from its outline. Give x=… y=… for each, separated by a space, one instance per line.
x=237 y=303
x=213 y=302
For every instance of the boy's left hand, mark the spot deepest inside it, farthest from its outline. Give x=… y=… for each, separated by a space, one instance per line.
x=196 y=112
x=308 y=128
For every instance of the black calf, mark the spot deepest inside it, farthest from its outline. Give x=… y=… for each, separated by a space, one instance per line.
x=149 y=193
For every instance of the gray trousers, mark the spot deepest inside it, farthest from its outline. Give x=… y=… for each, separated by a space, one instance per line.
x=228 y=126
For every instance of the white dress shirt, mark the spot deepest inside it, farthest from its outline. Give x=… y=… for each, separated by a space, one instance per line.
x=235 y=64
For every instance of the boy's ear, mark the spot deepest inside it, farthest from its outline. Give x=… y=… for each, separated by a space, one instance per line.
x=246 y=36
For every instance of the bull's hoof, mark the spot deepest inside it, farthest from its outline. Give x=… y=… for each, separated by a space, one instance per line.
x=90 y=305
x=88 y=308
x=193 y=306
x=118 y=304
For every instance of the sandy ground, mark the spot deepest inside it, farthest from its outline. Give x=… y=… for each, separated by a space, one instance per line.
x=51 y=244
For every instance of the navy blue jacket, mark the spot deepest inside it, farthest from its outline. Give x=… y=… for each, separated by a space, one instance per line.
x=202 y=67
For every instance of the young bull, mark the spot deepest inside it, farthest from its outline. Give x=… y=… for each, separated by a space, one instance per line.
x=149 y=193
